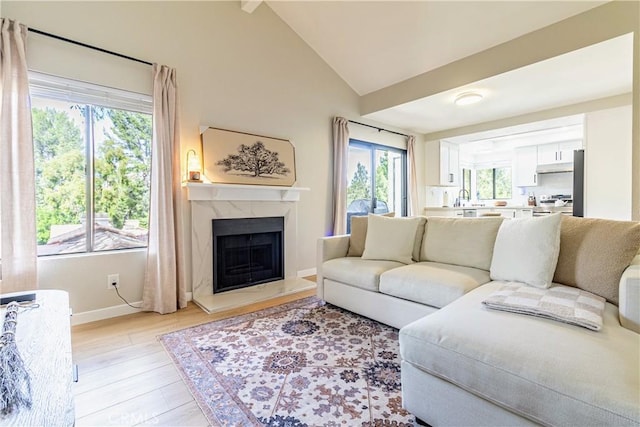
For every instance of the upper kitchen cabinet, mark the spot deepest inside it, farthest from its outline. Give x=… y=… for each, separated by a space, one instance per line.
x=449 y=164
x=557 y=153
x=525 y=164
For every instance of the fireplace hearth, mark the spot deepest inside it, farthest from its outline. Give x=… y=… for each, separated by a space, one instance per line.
x=247 y=252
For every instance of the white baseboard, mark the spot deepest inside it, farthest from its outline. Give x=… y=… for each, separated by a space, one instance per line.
x=109 y=312
x=307 y=272
x=104 y=313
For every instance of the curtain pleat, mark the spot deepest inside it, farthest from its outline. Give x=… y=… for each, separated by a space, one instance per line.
x=164 y=284
x=413 y=180
x=18 y=251
x=340 y=159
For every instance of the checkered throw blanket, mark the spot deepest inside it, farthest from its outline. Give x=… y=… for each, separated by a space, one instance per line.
x=562 y=303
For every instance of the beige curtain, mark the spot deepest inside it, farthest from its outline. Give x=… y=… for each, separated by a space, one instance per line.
x=18 y=251
x=340 y=159
x=413 y=180
x=164 y=282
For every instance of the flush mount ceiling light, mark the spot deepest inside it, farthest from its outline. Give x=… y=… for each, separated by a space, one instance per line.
x=467 y=98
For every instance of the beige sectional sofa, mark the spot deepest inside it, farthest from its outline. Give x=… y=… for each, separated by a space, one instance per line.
x=466 y=364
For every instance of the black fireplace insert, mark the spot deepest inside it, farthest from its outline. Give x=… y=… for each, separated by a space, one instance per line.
x=247 y=252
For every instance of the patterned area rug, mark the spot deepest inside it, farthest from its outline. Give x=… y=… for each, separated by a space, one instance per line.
x=305 y=363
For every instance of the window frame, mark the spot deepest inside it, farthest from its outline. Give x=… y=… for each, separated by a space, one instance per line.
x=372 y=147
x=493 y=182
x=89 y=96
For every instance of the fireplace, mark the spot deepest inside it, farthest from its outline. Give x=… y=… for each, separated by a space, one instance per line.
x=231 y=201
x=247 y=252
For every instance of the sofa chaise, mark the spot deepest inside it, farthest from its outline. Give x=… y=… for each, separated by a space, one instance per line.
x=465 y=362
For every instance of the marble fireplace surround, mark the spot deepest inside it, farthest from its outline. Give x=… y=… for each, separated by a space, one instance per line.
x=213 y=201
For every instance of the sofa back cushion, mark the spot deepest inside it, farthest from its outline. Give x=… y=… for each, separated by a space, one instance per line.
x=526 y=250
x=392 y=239
x=359 y=234
x=460 y=241
x=595 y=252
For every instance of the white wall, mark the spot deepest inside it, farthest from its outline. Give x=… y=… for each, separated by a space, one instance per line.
x=239 y=71
x=85 y=277
x=608 y=183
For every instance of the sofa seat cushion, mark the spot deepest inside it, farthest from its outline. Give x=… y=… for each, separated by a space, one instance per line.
x=431 y=283
x=550 y=372
x=361 y=273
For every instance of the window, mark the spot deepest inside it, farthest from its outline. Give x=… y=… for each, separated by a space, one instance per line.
x=92 y=152
x=377 y=177
x=466 y=183
x=493 y=183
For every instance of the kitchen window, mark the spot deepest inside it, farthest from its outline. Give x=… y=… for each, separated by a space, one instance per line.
x=493 y=183
x=92 y=155
x=466 y=182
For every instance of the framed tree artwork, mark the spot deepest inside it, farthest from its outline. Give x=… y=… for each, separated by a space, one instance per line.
x=242 y=158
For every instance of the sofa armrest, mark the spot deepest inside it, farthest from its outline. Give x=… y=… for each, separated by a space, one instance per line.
x=329 y=248
x=629 y=307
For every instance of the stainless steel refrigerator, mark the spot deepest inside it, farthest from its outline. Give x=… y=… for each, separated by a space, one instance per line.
x=578 y=183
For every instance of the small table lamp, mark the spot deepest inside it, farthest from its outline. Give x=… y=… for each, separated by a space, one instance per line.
x=193 y=166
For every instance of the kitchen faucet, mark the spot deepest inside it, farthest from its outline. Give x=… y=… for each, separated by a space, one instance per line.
x=461 y=195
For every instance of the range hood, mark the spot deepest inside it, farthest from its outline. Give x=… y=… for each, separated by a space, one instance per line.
x=555 y=168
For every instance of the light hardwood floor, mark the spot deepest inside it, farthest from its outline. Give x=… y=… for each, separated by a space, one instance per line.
x=126 y=377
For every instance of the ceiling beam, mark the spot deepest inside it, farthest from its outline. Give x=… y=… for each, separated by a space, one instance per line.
x=250 y=5
x=602 y=23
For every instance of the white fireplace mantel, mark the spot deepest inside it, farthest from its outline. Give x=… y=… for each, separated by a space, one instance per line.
x=206 y=191
x=224 y=201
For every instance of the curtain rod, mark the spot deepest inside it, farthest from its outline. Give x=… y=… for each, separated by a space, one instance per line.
x=377 y=128
x=99 y=49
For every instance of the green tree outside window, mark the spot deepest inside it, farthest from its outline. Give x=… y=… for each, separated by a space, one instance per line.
x=360 y=187
x=493 y=183
x=382 y=177
x=121 y=156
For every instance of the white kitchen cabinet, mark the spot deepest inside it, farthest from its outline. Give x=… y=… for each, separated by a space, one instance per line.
x=443 y=212
x=508 y=213
x=525 y=163
x=566 y=150
x=473 y=212
x=524 y=213
x=557 y=152
x=505 y=213
x=449 y=164
x=547 y=154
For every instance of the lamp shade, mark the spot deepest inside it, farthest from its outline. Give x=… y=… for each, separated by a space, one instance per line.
x=193 y=166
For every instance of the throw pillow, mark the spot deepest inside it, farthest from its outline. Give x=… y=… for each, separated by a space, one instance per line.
x=595 y=252
x=460 y=241
x=561 y=303
x=359 y=234
x=526 y=250
x=391 y=239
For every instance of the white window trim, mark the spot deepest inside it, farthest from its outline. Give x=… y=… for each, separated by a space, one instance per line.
x=63 y=89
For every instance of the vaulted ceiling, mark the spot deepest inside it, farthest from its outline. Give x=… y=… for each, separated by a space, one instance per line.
x=376 y=44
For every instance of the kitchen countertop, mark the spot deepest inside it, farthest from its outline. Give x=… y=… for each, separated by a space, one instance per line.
x=535 y=208
x=478 y=207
